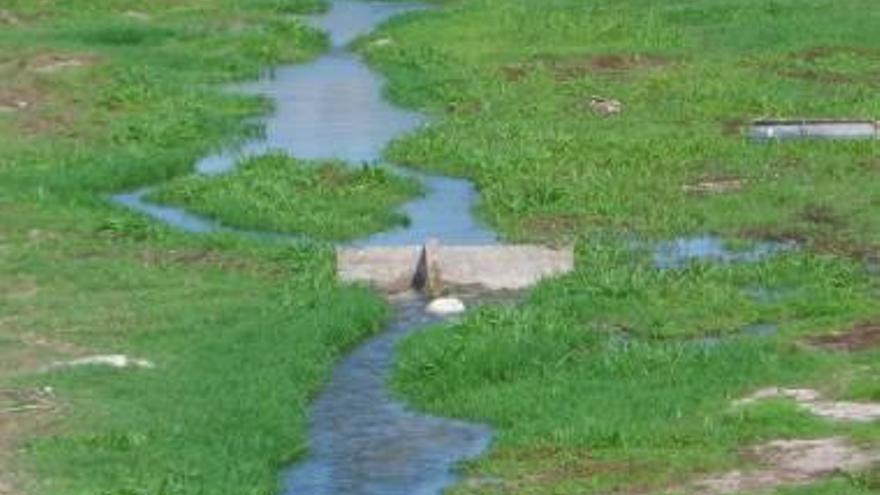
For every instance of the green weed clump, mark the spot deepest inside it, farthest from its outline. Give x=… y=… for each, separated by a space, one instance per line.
x=276 y=193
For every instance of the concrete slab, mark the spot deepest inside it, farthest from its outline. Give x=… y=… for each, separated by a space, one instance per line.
x=815 y=129
x=436 y=269
x=499 y=267
x=388 y=269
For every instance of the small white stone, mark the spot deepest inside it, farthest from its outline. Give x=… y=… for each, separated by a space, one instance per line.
x=446 y=306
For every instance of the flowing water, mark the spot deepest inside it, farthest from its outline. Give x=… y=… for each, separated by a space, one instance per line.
x=363 y=442
x=333 y=108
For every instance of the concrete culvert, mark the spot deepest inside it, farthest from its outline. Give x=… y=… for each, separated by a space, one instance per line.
x=433 y=268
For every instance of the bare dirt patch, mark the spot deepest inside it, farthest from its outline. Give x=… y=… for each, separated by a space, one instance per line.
x=17 y=99
x=822 y=214
x=22 y=413
x=626 y=62
x=859 y=337
x=9 y=19
x=787 y=463
x=812 y=401
x=50 y=63
x=566 y=68
x=605 y=64
x=808 y=65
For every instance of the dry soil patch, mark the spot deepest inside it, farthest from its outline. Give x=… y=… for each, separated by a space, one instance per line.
x=812 y=401
x=790 y=462
x=50 y=63
x=859 y=337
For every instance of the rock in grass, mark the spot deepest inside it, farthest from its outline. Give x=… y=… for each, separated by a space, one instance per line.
x=605 y=106
x=110 y=360
x=446 y=306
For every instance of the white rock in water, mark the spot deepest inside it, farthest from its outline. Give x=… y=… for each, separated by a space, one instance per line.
x=446 y=306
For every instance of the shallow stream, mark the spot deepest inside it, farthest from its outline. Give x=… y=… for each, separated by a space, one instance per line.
x=362 y=441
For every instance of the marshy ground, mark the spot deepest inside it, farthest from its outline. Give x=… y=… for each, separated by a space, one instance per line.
x=611 y=124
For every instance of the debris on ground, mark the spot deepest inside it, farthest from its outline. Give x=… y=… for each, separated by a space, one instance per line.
x=446 y=306
x=119 y=361
x=15 y=400
x=137 y=15
x=16 y=99
x=720 y=185
x=812 y=401
x=9 y=106
x=789 y=462
x=605 y=106
x=7 y=17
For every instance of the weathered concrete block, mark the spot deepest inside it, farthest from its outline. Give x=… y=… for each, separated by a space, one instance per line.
x=434 y=268
x=389 y=269
x=815 y=129
x=500 y=267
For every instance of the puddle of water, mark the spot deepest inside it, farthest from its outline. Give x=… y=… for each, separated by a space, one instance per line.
x=365 y=443
x=755 y=330
x=682 y=251
x=761 y=330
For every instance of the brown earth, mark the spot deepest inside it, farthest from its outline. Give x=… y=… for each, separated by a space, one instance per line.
x=859 y=337
x=789 y=463
x=23 y=413
x=565 y=68
x=50 y=63
x=816 y=55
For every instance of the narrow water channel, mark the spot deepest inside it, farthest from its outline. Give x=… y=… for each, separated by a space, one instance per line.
x=362 y=441
x=333 y=108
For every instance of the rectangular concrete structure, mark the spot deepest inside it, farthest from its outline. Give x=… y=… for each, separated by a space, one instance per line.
x=815 y=129
x=435 y=268
x=388 y=269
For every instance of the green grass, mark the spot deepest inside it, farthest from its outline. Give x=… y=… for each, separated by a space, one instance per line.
x=512 y=80
x=329 y=201
x=241 y=339
x=242 y=334
x=603 y=381
x=600 y=381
